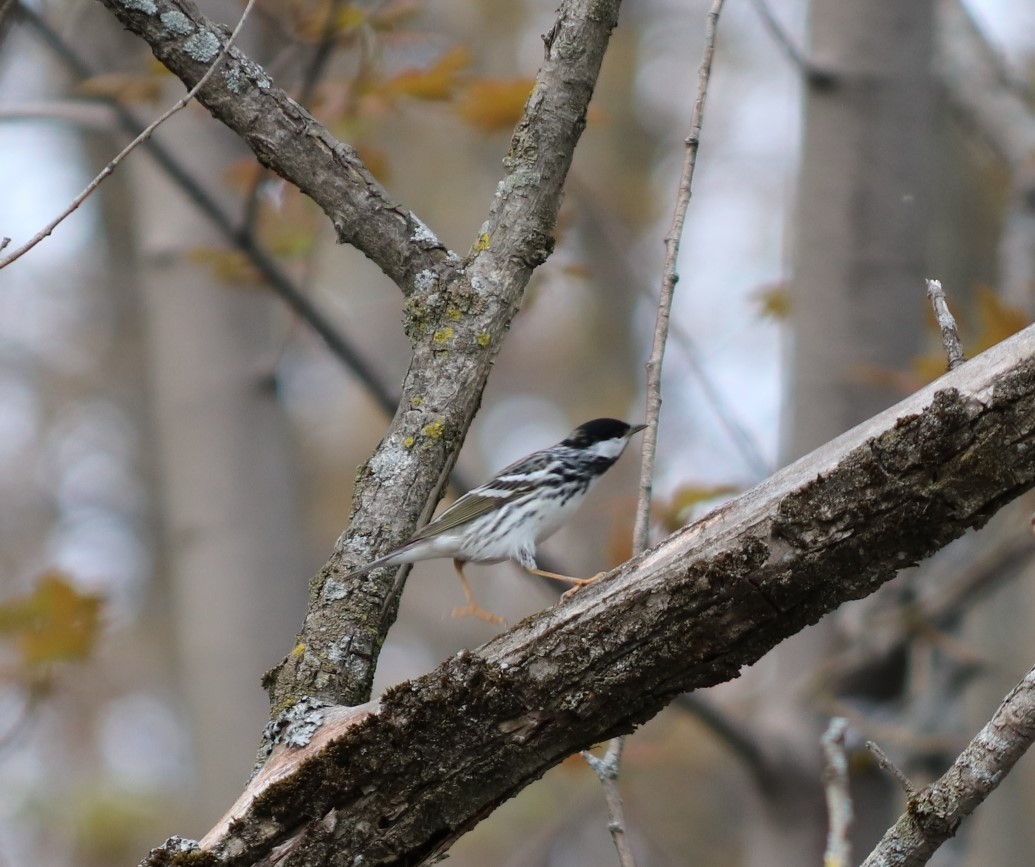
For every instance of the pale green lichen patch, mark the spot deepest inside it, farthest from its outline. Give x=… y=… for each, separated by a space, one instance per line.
x=443 y=336
x=408 y=442
x=147 y=6
x=233 y=79
x=434 y=430
x=176 y=23
x=453 y=315
x=422 y=234
x=202 y=46
x=334 y=590
x=424 y=281
x=484 y=340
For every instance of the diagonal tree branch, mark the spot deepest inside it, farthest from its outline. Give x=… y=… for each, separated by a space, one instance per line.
x=398 y=781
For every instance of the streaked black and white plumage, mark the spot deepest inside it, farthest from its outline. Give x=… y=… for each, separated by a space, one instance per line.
x=519 y=507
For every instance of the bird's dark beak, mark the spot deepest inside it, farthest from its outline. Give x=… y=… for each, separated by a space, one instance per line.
x=636 y=428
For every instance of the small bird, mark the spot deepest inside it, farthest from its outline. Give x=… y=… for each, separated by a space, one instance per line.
x=518 y=508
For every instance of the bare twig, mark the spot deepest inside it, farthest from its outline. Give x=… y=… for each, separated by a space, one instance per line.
x=606 y=770
x=596 y=217
x=946 y=323
x=839 y=800
x=668 y=286
x=888 y=765
x=935 y=812
x=641 y=532
x=106 y=172
x=282 y=285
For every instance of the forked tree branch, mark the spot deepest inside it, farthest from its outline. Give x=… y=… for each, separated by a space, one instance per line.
x=457 y=312
x=398 y=781
x=935 y=812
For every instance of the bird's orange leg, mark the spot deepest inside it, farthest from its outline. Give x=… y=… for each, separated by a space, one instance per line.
x=472 y=608
x=576 y=583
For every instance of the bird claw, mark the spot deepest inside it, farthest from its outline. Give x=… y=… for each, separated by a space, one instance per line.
x=582 y=583
x=473 y=610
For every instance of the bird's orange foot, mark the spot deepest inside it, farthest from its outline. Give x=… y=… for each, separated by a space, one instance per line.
x=473 y=610
x=582 y=582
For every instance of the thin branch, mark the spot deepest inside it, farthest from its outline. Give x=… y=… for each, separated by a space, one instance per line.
x=641 y=531
x=147 y=132
x=670 y=276
x=606 y=770
x=839 y=800
x=935 y=812
x=946 y=324
x=886 y=764
x=596 y=217
x=281 y=284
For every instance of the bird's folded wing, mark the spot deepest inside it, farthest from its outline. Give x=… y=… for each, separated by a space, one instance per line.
x=470 y=506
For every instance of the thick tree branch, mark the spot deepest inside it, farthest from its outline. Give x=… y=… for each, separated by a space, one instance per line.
x=405 y=777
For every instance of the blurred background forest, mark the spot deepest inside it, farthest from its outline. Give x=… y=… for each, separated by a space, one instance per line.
x=177 y=447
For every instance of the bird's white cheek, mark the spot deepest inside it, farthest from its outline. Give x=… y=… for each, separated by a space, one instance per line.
x=609 y=448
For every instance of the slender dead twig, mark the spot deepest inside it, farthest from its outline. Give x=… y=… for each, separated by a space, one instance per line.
x=839 y=800
x=946 y=323
x=606 y=770
x=668 y=285
x=886 y=764
x=641 y=532
x=107 y=171
x=597 y=219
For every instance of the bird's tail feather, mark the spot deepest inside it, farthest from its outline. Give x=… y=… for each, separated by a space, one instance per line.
x=375 y=564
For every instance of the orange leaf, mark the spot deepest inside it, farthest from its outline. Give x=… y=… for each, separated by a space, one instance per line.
x=438 y=82
x=774 y=301
x=997 y=320
x=229 y=266
x=674 y=513
x=493 y=105
x=55 y=623
x=123 y=87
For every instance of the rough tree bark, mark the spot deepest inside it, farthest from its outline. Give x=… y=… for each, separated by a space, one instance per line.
x=399 y=780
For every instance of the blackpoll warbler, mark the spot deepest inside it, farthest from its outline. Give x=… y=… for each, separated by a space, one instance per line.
x=518 y=508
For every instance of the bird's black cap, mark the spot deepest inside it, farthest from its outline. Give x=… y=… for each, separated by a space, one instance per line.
x=598 y=430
